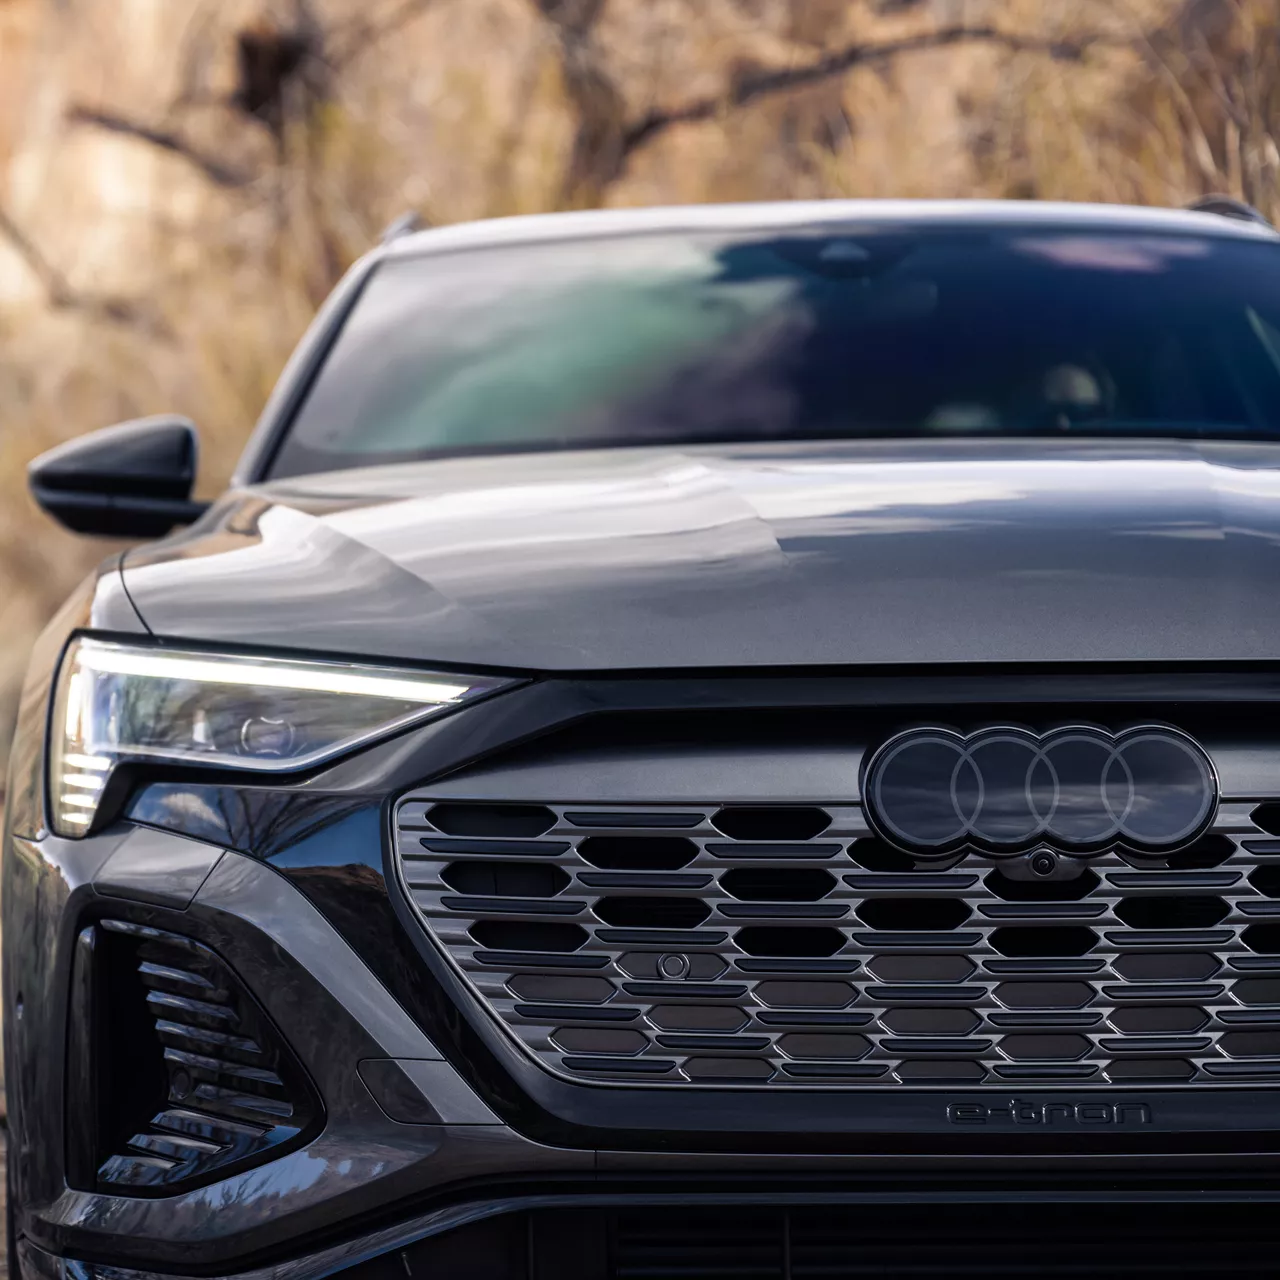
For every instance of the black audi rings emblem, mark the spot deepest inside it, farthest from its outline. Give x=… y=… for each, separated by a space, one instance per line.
x=1006 y=790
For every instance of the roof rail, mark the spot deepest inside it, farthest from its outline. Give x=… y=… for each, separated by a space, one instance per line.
x=1228 y=207
x=407 y=223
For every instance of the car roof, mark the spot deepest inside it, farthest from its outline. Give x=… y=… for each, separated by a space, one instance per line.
x=792 y=214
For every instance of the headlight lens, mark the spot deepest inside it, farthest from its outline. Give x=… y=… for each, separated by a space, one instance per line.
x=119 y=702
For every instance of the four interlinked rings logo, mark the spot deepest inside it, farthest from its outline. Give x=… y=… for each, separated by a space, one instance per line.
x=1006 y=790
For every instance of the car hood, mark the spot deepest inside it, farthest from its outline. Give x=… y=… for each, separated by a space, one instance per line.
x=746 y=556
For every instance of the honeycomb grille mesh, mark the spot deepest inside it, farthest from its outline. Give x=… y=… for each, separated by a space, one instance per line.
x=784 y=946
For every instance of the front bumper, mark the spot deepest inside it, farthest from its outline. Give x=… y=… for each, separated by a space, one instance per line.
x=369 y=1187
x=321 y=997
x=796 y=1235
x=290 y=889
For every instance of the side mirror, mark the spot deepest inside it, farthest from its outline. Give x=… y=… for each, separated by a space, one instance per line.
x=129 y=481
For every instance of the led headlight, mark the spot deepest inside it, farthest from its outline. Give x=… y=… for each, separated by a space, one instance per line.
x=117 y=702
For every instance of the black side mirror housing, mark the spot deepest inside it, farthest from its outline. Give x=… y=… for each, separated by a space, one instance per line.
x=129 y=481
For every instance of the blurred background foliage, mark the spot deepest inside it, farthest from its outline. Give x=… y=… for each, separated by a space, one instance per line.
x=182 y=181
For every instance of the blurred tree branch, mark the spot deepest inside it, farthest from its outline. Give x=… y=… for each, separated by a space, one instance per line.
x=606 y=134
x=605 y=138
x=270 y=58
x=63 y=297
x=216 y=170
x=766 y=83
x=598 y=153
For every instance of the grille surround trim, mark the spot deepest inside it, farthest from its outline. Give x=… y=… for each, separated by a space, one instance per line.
x=605 y=948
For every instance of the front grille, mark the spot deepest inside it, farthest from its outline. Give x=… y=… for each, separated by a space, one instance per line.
x=754 y=945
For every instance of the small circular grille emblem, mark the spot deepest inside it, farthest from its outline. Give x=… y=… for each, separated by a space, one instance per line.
x=1005 y=790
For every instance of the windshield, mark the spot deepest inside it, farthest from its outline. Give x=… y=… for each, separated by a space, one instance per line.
x=832 y=334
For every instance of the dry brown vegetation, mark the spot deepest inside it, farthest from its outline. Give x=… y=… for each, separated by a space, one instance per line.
x=182 y=181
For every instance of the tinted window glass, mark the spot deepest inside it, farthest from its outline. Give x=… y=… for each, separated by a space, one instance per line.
x=866 y=333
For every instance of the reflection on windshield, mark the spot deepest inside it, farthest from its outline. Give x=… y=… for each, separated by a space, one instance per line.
x=691 y=338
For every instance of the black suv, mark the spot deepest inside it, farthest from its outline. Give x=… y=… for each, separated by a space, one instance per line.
x=711 y=742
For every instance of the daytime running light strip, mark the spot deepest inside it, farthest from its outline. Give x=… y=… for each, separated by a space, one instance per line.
x=81 y=761
x=162 y=666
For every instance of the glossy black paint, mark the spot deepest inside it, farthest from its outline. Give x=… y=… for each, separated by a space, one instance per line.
x=129 y=481
x=364 y=903
x=678 y=610
x=339 y=871
x=893 y=552
x=362 y=1164
x=877 y=553
x=332 y=848
x=286 y=827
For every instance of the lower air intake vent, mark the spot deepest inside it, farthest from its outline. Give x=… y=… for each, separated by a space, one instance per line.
x=177 y=1076
x=738 y=946
x=845 y=1241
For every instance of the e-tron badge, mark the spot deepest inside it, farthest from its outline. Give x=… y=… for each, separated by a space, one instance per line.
x=1007 y=790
